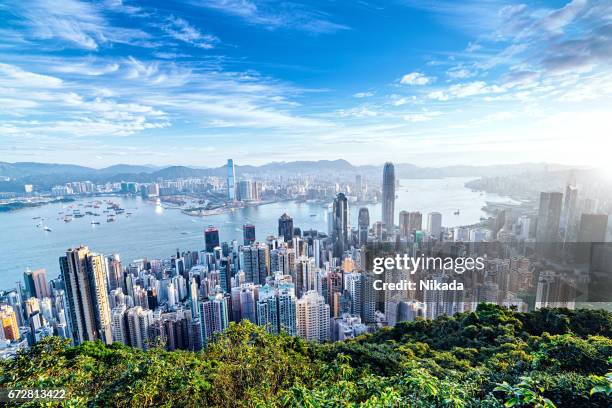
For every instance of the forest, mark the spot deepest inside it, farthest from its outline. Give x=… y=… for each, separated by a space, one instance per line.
x=492 y=357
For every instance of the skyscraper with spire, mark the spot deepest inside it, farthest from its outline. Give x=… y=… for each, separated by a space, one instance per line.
x=388 y=196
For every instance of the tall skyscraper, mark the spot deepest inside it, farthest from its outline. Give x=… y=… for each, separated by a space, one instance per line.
x=211 y=238
x=255 y=262
x=549 y=215
x=285 y=227
x=388 y=196
x=36 y=283
x=340 y=213
x=84 y=276
x=138 y=322
x=569 y=214
x=363 y=222
x=276 y=308
x=434 y=224
x=115 y=272
x=248 y=232
x=312 y=317
x=231 y=180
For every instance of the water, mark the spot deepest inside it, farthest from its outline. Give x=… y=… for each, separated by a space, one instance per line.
x=155 y=232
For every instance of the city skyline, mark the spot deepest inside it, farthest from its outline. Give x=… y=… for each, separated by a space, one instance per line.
x=189 y=83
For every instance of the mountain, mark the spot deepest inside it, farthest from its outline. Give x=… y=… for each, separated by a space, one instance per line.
x=44 y=175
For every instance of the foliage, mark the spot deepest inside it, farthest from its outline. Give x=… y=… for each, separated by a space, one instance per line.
x=492 y=357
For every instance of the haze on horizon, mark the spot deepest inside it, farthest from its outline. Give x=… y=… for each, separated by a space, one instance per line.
x=193 y=83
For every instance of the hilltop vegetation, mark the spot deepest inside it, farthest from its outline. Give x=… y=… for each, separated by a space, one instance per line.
x=489 y=358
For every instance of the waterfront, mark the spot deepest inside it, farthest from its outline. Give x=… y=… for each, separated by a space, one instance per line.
x=153 y=231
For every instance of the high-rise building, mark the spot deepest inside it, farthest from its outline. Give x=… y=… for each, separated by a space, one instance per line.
x=388 y=196
x=549 y=215
x=231 y=180
x=340 y=213
x=245 y=190
x=593 y=228
x=36 y=283
x=312 y=317
x=358 y=186
x=276 y=308
x=8 y=319
x=211 y=238
x=248 y=232
x=285 y=227
x=569 y=212
x=363 y=222
x=138 y=322
x=84 y=276
x=214 y=315
x=255 y=262
x=434 y=224
x=115 y=272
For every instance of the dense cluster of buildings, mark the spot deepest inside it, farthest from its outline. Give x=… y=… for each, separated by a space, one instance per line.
x=311 y=284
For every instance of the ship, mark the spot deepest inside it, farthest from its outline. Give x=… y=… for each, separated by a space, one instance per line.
x=95 y=223
x=47 y=229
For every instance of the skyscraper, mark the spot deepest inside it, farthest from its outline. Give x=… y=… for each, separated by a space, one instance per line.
x=211 y=238
x=8 y=319
x=84 y=276
x=231 y=180
x=36 y=283
x=363 y=221
x=285 y=227
x=248 y=232
x=340 y=214
x=593 y=228
x=388 y=196
x=434 y=224
x=549 y=215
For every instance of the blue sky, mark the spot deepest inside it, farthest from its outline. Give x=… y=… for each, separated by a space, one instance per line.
x=194 y=82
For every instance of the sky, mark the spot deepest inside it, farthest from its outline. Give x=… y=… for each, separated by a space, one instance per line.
x=194 y=82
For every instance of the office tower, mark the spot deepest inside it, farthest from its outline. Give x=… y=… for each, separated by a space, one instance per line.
x=138 y=322
x=404 y=224
x=115 y=272
x=211 y=238
x=570 y=203
x=285 y=227
x=340 y=211
x=415 y=222
x=363 y=221
x=231 y=180
x=358 y=186
x=36 y=283
x=245 y=190
x=388 y=196
x=549 y=214
x=276 y=309
x=225 y=275
x=593 y=228
x=248 y=232
x=84 y=275
x=8 y=318
x=524 y=223
x=434 y=224
x=255 y=262
x=312 y=317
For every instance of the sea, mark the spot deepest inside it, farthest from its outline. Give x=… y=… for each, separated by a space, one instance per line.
x=157 y=231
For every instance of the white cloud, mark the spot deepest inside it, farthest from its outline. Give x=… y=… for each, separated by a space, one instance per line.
x=183 y=31
x=415 y=78
x=424 y=116
x=363 y=94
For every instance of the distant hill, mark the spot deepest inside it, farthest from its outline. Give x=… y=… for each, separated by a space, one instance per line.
x=45 y=175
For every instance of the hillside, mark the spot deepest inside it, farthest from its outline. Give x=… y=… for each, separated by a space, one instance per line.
x=488 y=358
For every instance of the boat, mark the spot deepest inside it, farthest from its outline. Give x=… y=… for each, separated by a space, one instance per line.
x=313 y=215
x=67 y=218
x=35 y=218
x=184 y=233
x=456 y=212
x=95 y=223
x=110 y=218
x=47 y=229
